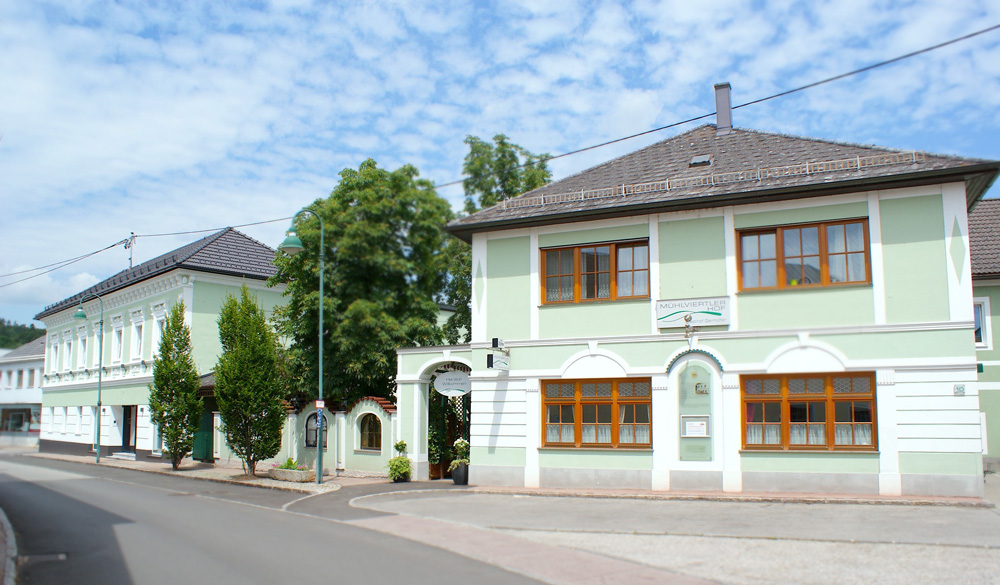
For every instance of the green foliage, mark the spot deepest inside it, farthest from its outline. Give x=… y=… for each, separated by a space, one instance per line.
x=461 y=452
x=291 y=464
x=500 y=171
x=174 y=404
x=14 y=335
x=384 y=270
x=399 y=466
x=247 y=383
x=494 y=172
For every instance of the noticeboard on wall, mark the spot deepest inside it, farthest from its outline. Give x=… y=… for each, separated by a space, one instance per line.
x=695 y=425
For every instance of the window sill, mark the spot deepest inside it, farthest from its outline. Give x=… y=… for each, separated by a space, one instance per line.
x=593 y=302
x=803 y=288
x=599 y=449
x=367 y=451
x=810 y=451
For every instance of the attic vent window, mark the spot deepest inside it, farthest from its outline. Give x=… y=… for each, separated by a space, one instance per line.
x=702 y=160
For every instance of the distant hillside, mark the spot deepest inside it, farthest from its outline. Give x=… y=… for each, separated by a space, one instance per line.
x=14 y=335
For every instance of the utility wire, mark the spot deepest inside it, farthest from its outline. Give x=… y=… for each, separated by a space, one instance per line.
x=64 y=264
x=59 y=265
x=760 y=100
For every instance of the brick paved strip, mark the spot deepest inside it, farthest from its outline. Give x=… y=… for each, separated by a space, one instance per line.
x=548 y=563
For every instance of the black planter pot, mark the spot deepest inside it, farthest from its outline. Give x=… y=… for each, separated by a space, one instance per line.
x=460 y=475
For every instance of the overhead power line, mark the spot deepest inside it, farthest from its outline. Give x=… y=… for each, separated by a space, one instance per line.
x=58 y=265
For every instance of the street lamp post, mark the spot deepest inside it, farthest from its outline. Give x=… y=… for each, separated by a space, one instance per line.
x=80 y=314
x=292 y=246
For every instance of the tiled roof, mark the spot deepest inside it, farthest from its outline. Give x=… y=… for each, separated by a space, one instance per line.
x=227 y=251
x=984 y=238
x=384 y=403
x=32 y=349
x=746 y=166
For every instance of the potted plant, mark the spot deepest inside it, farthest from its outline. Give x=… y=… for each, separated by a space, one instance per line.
x=459 y=467
x=434 y=460
x=291 y=470
x=399 y=466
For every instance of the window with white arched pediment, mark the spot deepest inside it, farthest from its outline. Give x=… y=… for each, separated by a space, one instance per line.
x=311 y=430
x=371 y=432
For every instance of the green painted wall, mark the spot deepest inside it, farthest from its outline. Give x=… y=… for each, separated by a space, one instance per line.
x=499 y=456
x=113 y=395
x=507 y=288
x=596 y=459
x=913 y=249
x=207 y=299
x=941 y=463
x=692 y=258
x=810 y=462
x=989 y=404
x=817 y=307
x=543 y=357
x=595 y=319
x=802 y=215
x=354 y=457
x=629 y=232
x=903 y=344
x=993 y=294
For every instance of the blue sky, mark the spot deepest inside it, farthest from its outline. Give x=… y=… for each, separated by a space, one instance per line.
x=156 y=117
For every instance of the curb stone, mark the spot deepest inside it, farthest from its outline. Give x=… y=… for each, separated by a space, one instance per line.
x=9 y=570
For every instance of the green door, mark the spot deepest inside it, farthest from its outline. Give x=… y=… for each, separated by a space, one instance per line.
x=204 y=447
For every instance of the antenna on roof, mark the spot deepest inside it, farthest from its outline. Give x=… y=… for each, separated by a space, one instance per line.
x=130 y=246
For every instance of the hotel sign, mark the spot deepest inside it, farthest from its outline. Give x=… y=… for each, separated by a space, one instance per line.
x=703 y=311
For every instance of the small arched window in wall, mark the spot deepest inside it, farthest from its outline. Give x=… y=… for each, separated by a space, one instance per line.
x=371 y=433
x=311 y=430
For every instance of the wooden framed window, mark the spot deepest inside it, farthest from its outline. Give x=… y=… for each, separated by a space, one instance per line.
x=595 y=272
x=809 y=411
x=597 y=413
x=371 y=433
x=809 y=255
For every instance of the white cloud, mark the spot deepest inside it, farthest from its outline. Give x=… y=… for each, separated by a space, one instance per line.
x=170 y=117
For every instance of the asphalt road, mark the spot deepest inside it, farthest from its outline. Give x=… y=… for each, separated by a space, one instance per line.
x=94 y=525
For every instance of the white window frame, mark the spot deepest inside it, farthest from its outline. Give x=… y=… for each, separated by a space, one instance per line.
x=97 y=345
x=67 y=358
x=159 y=312
x=137 y=330
x=54 y=365
x=982 y=305
x=117 y=340
x=81 y=351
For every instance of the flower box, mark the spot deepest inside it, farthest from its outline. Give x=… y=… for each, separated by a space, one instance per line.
x=292 y=475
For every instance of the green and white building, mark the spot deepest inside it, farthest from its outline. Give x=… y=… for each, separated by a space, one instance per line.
x=984 y=231
x=728 y=310
x=136 y=302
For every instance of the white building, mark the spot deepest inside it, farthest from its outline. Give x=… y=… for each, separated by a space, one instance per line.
x=21 y=394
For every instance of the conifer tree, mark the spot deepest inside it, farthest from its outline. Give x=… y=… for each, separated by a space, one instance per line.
x=174 y=403
x=247 y=381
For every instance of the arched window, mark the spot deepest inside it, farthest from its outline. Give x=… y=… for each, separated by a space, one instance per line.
x=371 y=433
x=311 y=430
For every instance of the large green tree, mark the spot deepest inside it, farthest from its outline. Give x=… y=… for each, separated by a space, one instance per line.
x=385 y=270
x=494 y=172
x=247 y=381
x=174 y=404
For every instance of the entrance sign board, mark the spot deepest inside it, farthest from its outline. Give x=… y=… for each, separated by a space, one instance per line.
x=703 y=311
x=453 y=384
